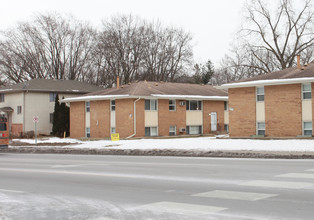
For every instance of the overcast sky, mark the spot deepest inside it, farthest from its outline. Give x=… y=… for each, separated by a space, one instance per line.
x=212 y=23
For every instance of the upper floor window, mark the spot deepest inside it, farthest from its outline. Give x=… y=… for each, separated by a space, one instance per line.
x=226 y=106
x=151 y=104
x=52 y=96
x=113 y=105
x=1 y=97
x=260 y=94
x=306 y=91
x=193 y=105
x=87 y=105
x=19 y=109
x=172 y=105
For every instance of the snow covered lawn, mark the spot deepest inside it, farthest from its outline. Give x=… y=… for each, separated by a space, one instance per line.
x=199 y=143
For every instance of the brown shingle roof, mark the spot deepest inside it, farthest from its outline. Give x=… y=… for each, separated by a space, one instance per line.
x=51 y=85
x=289 y=73
x=145 y=88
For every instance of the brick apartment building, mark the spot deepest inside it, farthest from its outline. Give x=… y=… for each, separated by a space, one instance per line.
x=278 y=104
x=149 y=109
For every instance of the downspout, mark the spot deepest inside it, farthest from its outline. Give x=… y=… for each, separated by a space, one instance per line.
x=134 y=119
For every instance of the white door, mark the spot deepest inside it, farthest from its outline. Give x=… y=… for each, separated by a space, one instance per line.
x=213 y=121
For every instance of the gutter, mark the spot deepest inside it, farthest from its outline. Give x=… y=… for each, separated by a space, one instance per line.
x=134 y=119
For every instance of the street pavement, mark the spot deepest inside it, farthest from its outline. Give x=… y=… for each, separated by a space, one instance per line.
x=46 y=186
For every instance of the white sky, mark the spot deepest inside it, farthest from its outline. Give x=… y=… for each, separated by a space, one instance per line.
x=212 y=23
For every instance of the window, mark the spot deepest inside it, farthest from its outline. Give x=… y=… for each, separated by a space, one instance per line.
x=172 y=105
x=52 y=96
x=261 y=128
x=226 y=106
x=306 y=91
x=113 y=105
x=19 y=109
x=172 y=130
x=87 y=105
x=307 y=128
x=113 y=130
x=151 y=131
x=51 y=118
x=226 y=128
x=88 y=132
x=260 y=94
x=194 y=129
x=1 y=97
x=193 y=105
x=151 y=104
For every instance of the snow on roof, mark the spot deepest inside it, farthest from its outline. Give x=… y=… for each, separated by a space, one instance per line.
x=266 y=82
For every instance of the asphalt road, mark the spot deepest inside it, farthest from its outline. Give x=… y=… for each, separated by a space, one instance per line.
x=34 y=186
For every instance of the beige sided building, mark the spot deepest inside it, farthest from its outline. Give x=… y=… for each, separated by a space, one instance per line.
x=21 y=102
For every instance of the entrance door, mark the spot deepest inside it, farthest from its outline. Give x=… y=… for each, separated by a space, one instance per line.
x=213 y=121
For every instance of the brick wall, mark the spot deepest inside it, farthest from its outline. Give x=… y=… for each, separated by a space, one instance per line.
x=100 y=119
x=283 y=110
x=213 y=106
x=140 y=118
x=242 y=120
x=16 y=130
x=77 y=119
x=168 y=118
x=125 y=117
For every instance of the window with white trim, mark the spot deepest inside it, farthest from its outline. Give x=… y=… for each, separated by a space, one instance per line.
x=172 y=105
x=151 y=104
x=226 y=128
x=261 y=128
x=172 y=131
x=113 y=130
x=225 y=105
x=88 y=132
x=193 y=105
x=260 y=94
x=87 y=106
x=113 y=105
x=307 y=129
x=52 y=96
x=151 y=131
x=306 y=91
x=196 y=129
x=1 y=97
x=19 y=110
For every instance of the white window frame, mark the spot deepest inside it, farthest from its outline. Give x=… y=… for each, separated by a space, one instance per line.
x=113 y=105
x=260 y=94
x=113 y=130
x=52 y=96
x=199 y=105
x=172 y=104
x=87 y=132
x=19 y=110
x=200 y=127
x=306 y=91
x=2 y=97
x=150 y=131
x=87 y=106
x=150 y=104
x=303 y=129
x=172 y=129
x=258 y=129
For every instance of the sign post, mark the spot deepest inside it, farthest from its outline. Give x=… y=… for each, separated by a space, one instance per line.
x=36 y=120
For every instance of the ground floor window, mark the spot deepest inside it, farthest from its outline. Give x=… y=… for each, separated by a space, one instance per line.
x=88 y=132
x=261 y=128
x=226 y=128
x=172 y=130
x=196 y=129
x=151 y=131
x=307 y=128
x=113 y=130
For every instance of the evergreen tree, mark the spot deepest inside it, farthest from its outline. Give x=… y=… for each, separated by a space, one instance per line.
x=61 y=118
x=203 y=73
x=56 y=117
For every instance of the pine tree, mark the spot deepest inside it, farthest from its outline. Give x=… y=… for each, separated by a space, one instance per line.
x=56 y=117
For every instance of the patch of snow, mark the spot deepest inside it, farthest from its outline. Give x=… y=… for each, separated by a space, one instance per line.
x=199 y=143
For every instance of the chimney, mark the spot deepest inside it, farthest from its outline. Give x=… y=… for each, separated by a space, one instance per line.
x=298 y=62
x=118 y=82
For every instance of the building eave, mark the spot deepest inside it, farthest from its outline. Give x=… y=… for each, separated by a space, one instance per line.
x=266 y=83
